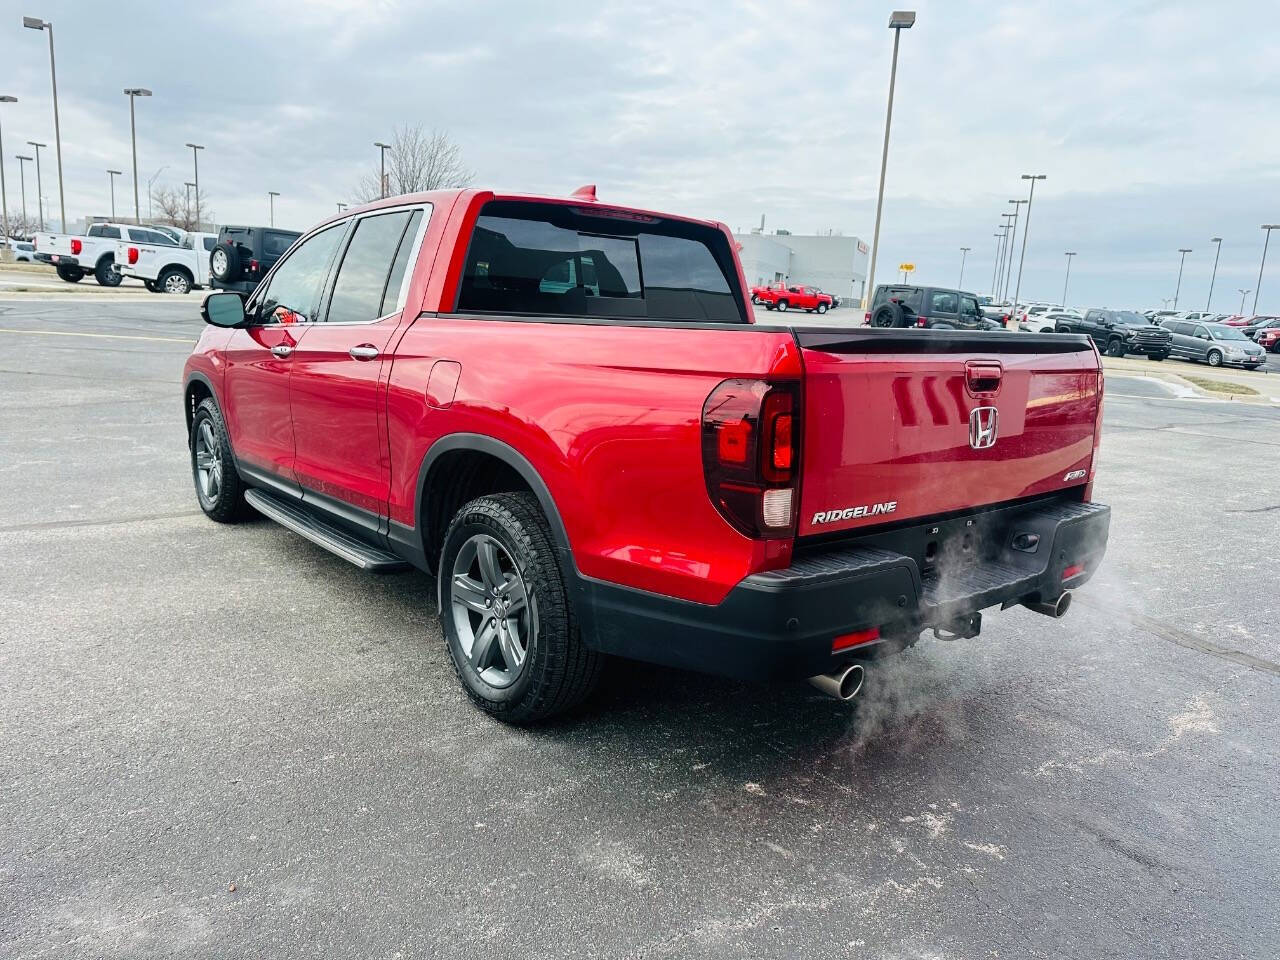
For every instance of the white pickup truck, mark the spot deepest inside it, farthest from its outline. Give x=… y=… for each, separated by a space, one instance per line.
x=165 y=268
x=94 y=251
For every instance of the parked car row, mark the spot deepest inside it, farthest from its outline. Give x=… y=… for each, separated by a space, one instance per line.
x=784 y=297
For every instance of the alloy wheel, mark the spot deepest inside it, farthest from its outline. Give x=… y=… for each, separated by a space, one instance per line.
x=176 y=283
x=208 y=462
x=494 y=614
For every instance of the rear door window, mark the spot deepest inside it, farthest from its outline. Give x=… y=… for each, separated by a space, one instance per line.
x=210 y=243
x=943 y=301
x=275 y=244
x=549 y=259
x=109 y=233
x=362 y=277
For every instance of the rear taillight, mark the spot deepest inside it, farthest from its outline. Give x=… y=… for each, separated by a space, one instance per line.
x=1097 y=441
x=76 y=246
x=751 y=454
x=253 y=266
x=133 y=254
x=922 y=321
x=867 y=319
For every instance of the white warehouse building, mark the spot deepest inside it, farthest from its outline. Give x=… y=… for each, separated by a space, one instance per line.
x=836 y=264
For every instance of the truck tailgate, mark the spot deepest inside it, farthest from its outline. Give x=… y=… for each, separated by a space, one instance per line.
x=902 y=424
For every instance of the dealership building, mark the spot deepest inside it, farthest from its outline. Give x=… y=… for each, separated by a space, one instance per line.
x=836 y=264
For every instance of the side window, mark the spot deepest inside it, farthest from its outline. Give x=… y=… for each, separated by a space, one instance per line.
x=110 y=233
x=95 y=230
x=187 y=242
x=362 y=277
x=293 y=292
x=940 y=301
x=969 y=306
x=1202 y=332
x=1091 y=317
x=391 y=301
x=210 y=243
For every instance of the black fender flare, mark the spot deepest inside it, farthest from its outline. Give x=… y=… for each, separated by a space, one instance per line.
x=191 y=378
x=511 y=457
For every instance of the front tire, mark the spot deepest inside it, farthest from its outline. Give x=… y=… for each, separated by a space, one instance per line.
x=783 y=306
x=1215 y=358
x=219 y=488
x=1157 y=356
x=506 y=615
x=822 y=308
x=1115 y=347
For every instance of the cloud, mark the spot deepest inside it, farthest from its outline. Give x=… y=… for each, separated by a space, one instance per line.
x=1151 y=119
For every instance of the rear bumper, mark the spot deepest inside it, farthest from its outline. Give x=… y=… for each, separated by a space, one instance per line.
x=239 y=286
x=782 y=623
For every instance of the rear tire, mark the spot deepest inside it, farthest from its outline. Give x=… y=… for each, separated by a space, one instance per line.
x=106 y=273
x=219 y=489
x=1215 y=358
x=1157 y=356
x=70 y=274
x=519 y=660
x=173 y=281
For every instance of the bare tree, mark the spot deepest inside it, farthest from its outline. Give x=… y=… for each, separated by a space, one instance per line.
x=417 y=160
x=171 y=206
x=20 y=226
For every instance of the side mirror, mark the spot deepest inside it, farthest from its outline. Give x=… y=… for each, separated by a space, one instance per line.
x=223 y=308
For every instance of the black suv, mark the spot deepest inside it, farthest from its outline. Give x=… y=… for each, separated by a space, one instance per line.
x=243 y=255
x=939 y=308
x=1117 y=332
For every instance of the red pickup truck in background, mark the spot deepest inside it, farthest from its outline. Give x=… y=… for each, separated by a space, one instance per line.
x=780 y=296
x=564 y=411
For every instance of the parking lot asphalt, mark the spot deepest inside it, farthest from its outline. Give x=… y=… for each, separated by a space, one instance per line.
x=222 y=741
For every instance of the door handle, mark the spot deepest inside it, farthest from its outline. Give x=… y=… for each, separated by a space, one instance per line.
x=282 y=350
x=365 y=351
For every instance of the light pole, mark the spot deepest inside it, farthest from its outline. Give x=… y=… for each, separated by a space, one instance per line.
x=1008 y=225
x=4 y=194
x=1069 y=254
x=113 y=174
x=1026 y=227
x=899 y=20
x=1258 y=289
x=1218 y=253
x=1013 y=238
x=195 y=162
x=996 y=265
x=341 y=206
x=382 y=157
x=131 y=93
x=35 y=23
x=1243 y=293
x=271 y=199
x=188 y=184
x=39 y=182
x=1178 y=289
x=964 y=255
x=22 y=183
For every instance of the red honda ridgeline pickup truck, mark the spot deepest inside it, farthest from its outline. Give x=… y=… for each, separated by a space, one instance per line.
x=564 y=410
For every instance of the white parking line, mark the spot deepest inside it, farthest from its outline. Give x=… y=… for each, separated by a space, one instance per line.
x=101 y=336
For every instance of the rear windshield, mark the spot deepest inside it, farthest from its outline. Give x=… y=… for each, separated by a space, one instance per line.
x=549 y=259
x=274 y=244
x=1129 y=318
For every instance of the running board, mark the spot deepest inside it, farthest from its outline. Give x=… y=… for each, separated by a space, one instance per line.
x=338 y=542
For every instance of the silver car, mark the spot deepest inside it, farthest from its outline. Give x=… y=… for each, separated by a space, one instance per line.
x=1213 y=343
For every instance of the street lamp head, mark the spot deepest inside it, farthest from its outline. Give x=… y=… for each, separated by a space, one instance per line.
x=8 y=99
x=1035 y=176
x=1184 y=249
x=382 y=146
x=1271 y=226
x=35 y=23
x=1215 y=239
x=188 y=183
x=137 y=92
x=273 y=193
x=32 y=143
x=18 y=156
x=902 y=19
x=196 y=146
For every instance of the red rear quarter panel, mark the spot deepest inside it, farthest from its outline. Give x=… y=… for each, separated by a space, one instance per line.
x=610 y=418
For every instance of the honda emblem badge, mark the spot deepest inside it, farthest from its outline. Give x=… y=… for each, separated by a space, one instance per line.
x=984 y=424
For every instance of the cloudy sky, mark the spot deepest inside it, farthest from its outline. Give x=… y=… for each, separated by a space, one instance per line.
x=1157 y=123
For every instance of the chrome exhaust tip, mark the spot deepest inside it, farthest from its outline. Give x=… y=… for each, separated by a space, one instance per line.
x=1050 y=608
x=843 y=684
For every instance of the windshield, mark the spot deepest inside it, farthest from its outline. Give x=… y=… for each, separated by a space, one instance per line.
x=1226 y=333
x=1131 y=319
